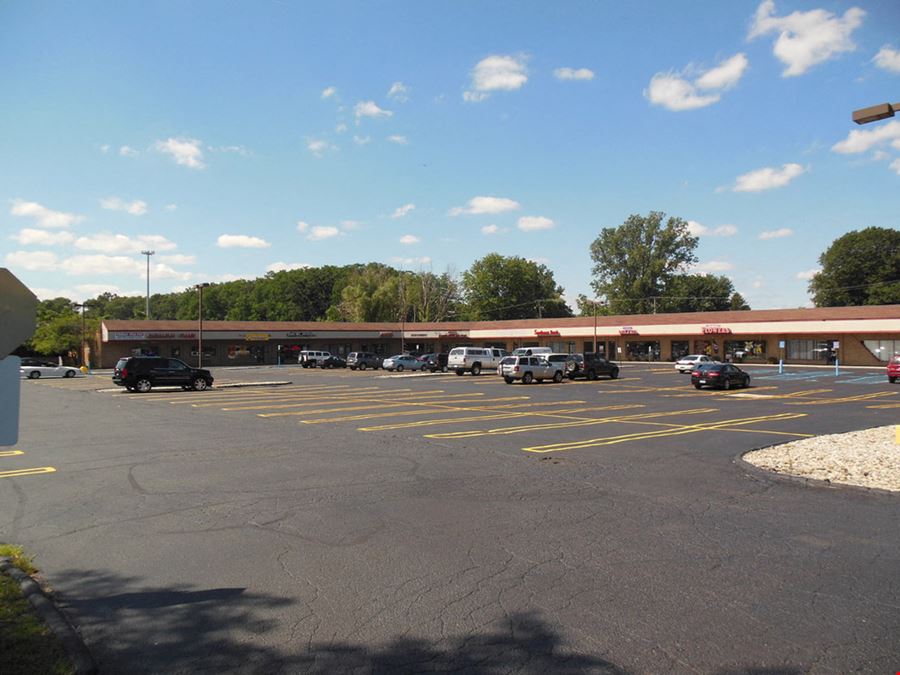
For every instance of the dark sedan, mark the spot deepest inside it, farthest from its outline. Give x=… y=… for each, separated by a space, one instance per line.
x=719 y=375
x=333 y=362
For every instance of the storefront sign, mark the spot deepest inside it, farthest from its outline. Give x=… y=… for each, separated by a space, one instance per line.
x=454 y=334
x=421 y=335
x=627 y=330
x=716 y=330
x=299 y=333
x=386 y=333
x=257 y=337
x=150 y=335
x=547 y=333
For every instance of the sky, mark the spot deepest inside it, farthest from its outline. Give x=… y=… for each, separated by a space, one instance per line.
x=238 y=138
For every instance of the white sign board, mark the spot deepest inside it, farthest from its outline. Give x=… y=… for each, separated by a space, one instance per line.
x=9 y=400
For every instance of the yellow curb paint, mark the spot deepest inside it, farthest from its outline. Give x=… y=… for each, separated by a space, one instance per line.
x=27 y=472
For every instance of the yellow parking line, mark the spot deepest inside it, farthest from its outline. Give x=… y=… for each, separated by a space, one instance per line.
x=337 y=400
x=434 y=407
x=342 y=405
x=882 y=406
x=302 y=397
x=845 y=399
x=232 y=391
x=661 y=433
x=27 y=472
x=11 y=453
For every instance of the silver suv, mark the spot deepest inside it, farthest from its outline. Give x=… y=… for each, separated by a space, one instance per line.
x=530 y=368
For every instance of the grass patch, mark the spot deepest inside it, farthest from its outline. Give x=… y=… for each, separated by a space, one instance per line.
x=27 y=647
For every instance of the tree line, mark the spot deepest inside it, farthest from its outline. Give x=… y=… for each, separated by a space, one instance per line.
x=641 y=266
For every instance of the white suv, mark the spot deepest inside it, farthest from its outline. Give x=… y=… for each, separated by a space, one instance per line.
x=688 y=363
x=474 y=359
x=311 y=359
x=531 y=368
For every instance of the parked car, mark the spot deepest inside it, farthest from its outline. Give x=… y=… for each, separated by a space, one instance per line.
x=530 y=368
x=142 y=373
x=34 y=368
x=333 y=361
x=435 y=362
x=687 y=364
x=474 y=359
x=720 y=375
x=531 y=351
x=363 y=360
x=590 y=366
x=402 y=362
x=309 y=358
x=893 y=369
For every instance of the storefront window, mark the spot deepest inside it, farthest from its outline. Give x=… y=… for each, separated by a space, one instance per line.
x=883 y=350
x=810 y=350
x=562 y=347
x=745 y=350
x=708 y=347
x=645 y=350
x=680 y=349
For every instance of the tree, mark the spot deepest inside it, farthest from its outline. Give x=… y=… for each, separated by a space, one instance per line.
x=860 y=268
x=634 y=262
x=738 y=303
x=697 y=293
x=498 y=287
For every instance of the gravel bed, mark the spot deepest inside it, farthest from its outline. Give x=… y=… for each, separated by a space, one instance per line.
x=868 y=458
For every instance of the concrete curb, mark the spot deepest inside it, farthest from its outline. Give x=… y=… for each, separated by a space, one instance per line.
x=71 y=641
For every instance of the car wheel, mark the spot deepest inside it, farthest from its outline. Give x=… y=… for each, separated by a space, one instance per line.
x=527 y=378
x=746 y=382
x=200 y=384
x=698 y=386
x=69 y=373
x=727 y=384
x=508 y=380
x=460 y=371
x=592 y=375
x=558 y=376
x=476 y=369
x=34 y=374
x=400 y=368
x=892 y=379
x=362 y=366
x=143 y=385
x=614 y=374
x=444 y=369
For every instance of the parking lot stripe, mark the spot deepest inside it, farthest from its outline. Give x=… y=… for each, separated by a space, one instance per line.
x=415 y=410
x=884 y=405
x=845 y=399
x=11 y=453
x=494 y=414
x=660 y=433
x=178 y=395
x=292 y=402
x=27 y=472
x=320 y=396
x=358 y=404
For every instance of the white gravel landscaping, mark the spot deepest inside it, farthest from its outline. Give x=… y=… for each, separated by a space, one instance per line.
x=868 y=458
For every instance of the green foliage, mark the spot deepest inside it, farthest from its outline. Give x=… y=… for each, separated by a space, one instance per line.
x=860 y=268
x=588 y=306
x=498 y=287
x=696 y=293
x=634 y=262
x=738 y=303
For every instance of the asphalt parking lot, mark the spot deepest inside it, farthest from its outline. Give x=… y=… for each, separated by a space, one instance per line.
x=433 y=522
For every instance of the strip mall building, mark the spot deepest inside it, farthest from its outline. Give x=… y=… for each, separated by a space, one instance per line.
x=864 y=336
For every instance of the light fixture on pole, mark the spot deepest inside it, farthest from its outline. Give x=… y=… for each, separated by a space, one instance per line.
x=200 y=288
x=875 y=112
x=80 y=305
x=148 y=253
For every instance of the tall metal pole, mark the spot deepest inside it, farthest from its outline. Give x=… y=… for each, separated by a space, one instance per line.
x=595 y=327
x=148 y=254
x=200 y=288
x=81 y=356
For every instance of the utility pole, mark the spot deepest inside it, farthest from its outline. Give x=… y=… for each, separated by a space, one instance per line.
x=200 y=288
x=148 y=253
x=80 y=306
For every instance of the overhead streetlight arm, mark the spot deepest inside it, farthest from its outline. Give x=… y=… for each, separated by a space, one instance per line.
x=875 y=112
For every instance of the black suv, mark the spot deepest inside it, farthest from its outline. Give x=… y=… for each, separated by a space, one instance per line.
x=142 y=373
x=590 y=366
x=435 y=362
x=363 y=360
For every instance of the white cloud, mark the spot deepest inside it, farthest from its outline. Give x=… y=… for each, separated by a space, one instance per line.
x=490 y=229
x=351 y=224
x=698 y=230
x=171 y=207
x=767 y=178
x=137 y=207
x=287 y=267
x=399 y=92
x=120 y=243
x=127 y=151
x=398 y=139
x=28 y=237
x=33 y=261
x=185 y=151
x=496 y=73
x=178 y=259
x=806 y=39
x=479 y=205
x=880 y=155
x=674 y=91
x=369 y=109
x=236 y=149
x=302 y=226
x=532 y=223
x=43 y=216
x=401 y=211
x=362 y=140
x=241 y=241
x=861 y=140
x=758 y=283
x=340 y=128
x=712 y=266
x=408 y=239
x=318 y=146
x=93 y=290
x=104 y=148
x=320 y=232
x=776 y=234
x=895 y=166
x=888 y=58
x=808 y=274
x=408 y=262
x=96 y=265
x=329 y=92
x=573 y=74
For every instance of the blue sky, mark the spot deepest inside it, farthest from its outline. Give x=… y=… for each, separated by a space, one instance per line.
x=235 y=138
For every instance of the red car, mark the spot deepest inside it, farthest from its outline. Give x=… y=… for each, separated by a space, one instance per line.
x=894 y=369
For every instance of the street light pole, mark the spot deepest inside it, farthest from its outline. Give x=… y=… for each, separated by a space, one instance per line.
x=875 y=112
x=80 y=306
x=200 y=288
x=148 y=253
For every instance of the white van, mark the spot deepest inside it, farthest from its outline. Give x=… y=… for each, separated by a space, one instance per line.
x=474 y=359
x=532 y=351
x=310 y=359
